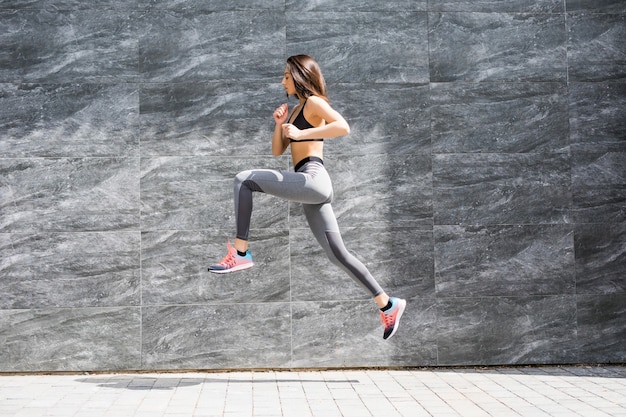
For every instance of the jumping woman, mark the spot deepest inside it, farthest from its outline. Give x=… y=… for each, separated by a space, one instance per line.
x=311 y=121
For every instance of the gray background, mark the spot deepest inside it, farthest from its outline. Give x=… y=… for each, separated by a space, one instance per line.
x=483 y=181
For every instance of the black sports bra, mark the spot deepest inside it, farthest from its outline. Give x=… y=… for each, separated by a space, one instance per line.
x=301 y=123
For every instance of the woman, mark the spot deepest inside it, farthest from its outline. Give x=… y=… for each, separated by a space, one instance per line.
x=311 y=121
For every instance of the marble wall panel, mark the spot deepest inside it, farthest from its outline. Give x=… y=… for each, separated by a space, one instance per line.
x=532 y=6
x=378 y=191
x=185 y=119
x=497 y=47
x=499 y=117
x=597 y=118
x=501 y=189
x=70 y=339
x=358 y=47
x=384 y=119
x=200 y=47
x=194 y=193
x=597 y=6
x=599 y=187
x=504 y=260
x=71 y=4
x=596 y=47
x=69 y=194
x=211 y=5
x=348 y=334
x=506 y=330
x=602 y=328
x=600 y=258
x=399 y=259
x=84 y=269
x=204 y=336
x=55 y=46
x=61 y=120
x=174 y=269
x=356 y=5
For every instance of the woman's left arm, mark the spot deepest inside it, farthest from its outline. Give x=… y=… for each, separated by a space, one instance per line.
x=335 y=124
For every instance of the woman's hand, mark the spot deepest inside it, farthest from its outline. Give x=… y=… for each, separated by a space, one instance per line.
x=281 y=113
x=290 y=131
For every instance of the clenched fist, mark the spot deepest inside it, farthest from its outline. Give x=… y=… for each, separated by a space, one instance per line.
x=281 y=113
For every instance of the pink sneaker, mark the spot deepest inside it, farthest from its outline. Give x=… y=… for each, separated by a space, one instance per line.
x=232 y=262
x=391 y=317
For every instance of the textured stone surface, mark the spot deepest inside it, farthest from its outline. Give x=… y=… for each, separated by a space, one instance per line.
x=76 y=339
x=497 y=47
x=491 y=331
x=483 y=181
x=501 y=188
x=69 y=194
x=504 y=260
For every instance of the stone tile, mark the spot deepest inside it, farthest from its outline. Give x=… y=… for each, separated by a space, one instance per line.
x=224 y=336
x=360 y=48
x=600 y=258
x=596 y=6
x=68 y=120
x=69 y=194
x=507 y=330
x=490 y=6
x=56 y=46
x=198 y=47
x=599 y=187
x=499 y=117
x=504 y=260
x=378 y=191
x=596 y=46
x=601 y=328
x=497 y=47
x=194 y=119
x=68 y=5
x=70 y=270
x=501 y=189
x=211 y=5
x=356 y=6
x=349 y=334
x=404 y=267
x=195 y=193
x=76 y=339
x=597 y=119
x=404 y=128
x=174 y=269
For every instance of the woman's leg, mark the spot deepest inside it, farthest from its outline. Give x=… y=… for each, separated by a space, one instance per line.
x=323 y=223
x=293 y=186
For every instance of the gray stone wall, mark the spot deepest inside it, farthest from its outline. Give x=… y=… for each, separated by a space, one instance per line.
x=483 y=181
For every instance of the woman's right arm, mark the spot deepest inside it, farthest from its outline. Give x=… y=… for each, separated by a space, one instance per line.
x=279 y=141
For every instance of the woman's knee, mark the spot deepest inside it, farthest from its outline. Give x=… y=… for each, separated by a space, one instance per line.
x=242 y=176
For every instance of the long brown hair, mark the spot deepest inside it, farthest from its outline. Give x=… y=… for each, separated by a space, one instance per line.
x=307 y=76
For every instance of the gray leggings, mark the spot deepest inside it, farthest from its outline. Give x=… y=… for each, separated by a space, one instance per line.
x=312 y=187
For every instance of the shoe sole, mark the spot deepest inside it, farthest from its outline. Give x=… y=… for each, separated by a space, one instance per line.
x=401 y=307
x=235 y=269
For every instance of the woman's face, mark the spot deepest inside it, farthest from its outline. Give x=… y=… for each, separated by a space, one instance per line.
x=288 y=83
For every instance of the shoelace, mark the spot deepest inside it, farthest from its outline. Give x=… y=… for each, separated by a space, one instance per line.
x=386 y=319
x=229 y=260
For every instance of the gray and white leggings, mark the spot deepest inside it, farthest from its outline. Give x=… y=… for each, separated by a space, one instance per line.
x=311 y=186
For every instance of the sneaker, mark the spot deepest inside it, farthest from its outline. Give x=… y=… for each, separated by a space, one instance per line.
x=232 y=262
x=391 y=317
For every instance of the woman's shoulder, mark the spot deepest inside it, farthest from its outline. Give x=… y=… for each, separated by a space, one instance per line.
x=316 y=100
x=316 y=104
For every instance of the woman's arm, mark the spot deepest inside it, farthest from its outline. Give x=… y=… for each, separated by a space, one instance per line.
x=316 y=109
